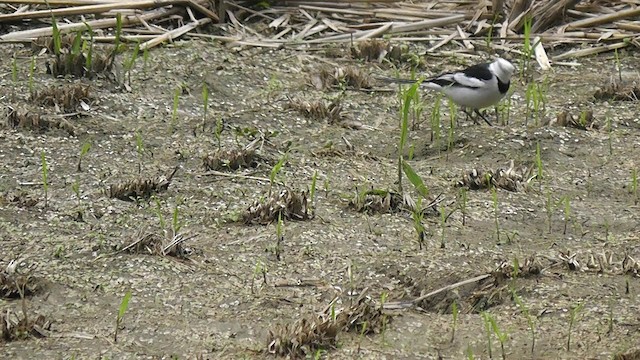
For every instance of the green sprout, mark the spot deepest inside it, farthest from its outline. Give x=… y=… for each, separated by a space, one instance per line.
x=57 y=37
x=205 y=104
x=527 y=315
x=502 y=336
x=139 y=150
x=417 y=215
x=218 y=132
x=131 y=62
x=89 y=58
x=124 y=305
x=279 y=236
x=45 y=177
x=174 y=110
x=454 y=313
x=312 y=191
x=275 y=170
x=158 y=211
x=462 y=201
x=175 y=222
x=527 y=47
x=572 y=318
x=496 y=211
x=539 y=174
x=443 y=225
x=32 y=70
x=567 y=213
x=406 y=100
x=487 y=327
x=85 y=149
x=435 y=121
x=452 y=125
x=634 y=185
x=75 y=187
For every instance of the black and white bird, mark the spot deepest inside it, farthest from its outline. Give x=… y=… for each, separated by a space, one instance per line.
x=476 y=87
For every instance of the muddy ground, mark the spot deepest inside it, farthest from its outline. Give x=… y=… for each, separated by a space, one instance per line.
x=220 y=299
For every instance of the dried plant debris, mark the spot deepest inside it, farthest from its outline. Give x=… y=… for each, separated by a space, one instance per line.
x=289 y=204
x=66 y=97
x=318 y=109
x=140 y=187
x=231 y=159
x=583 y=121
x=17 y=327
x=46 y=42
x=15 y=283
x=630 y=354
x=512 y=178
x=20 y=198
x=25 y=119
x=618 y=91
x=304 y=337
x=377 y=201
x=352 y=77
x=507 y=269
x=169 y=244
x=379 y=50
x=371 y=50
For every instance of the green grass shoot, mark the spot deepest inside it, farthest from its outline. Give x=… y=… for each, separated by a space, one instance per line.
x=539 y=174
x=501 y=335
x=634 y=185
x=415 y=179
x=406 y=100
x=174 y=109
x=32 y=70
x=89 y=57
x=218 y=132
x=57 y=37
x=279 y=236
x=418 y=216
x=158 y=211
x=452 y=125
x=496 y=211
x=139 y=150
x=462 y=204
x=85 y=149
x=131 y=62
x=75 y=187
x=116 y=41
x=275 y=170
x=205 y=104
x=486 y=319
x=573 y=313
x=527 y=48
x=454 y=314
x=14 y=71
x=443 y=226
x=45 y=177
x=435 y=121
x=527 y=315
x=176 y=225
x=567 y=212
x=312 y=191
x=124 y=305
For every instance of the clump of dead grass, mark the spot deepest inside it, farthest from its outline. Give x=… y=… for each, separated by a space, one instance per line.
x=377 y=201
x=14 y=284
x=379 y=50
x=317 y=109
x=231 y=159
x=305 y=336
x=583 y=121
x=511 y=178
x=169 y=243
x=618 y=91
x=329 y=77
x=20 y=198
x=25 y=119
x=66 y=97
x=289 y=204
x=16 y=327
x=141 y=187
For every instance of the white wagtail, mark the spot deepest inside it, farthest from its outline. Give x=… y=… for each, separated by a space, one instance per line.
x=475 y=87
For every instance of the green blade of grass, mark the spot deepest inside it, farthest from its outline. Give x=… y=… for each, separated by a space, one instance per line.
x=415 y=179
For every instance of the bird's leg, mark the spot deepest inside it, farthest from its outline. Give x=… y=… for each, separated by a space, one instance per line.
x=470 y=116
x=482 y=116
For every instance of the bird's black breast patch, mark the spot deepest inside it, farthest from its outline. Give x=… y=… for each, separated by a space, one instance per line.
x=503 y=87
x=479 y=71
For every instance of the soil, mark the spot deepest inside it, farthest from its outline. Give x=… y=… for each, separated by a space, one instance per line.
x=574 y=231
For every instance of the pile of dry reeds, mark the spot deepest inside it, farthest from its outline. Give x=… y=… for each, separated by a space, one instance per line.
x=605 y=25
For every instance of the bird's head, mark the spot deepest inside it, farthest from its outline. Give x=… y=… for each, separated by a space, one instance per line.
x=503 y=69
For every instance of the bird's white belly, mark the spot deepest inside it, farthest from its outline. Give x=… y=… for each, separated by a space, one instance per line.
x=477 y=98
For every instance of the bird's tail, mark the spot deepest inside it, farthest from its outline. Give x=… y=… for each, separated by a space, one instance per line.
x=426 y=83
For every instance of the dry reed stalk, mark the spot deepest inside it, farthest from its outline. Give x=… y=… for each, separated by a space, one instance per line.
x=95 y=24
x=175 y=33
